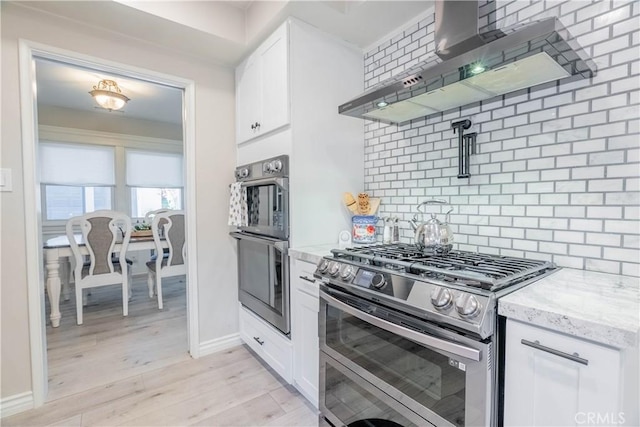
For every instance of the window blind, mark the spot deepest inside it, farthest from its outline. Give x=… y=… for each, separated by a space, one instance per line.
x=76 y=164
x=154 y=169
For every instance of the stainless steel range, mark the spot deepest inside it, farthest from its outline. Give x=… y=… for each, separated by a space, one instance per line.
x=414 y=339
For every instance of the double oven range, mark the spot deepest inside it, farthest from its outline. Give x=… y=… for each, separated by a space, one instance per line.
x=408 y=339
x=263 y=240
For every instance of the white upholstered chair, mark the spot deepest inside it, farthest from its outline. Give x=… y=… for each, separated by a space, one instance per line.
x=100 y=232
x=148 y=217
x=170 y=227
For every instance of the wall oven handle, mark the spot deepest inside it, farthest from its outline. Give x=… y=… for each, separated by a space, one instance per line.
x=282 y=245
x=427 y=340
x=574 y=357
x=280 y=182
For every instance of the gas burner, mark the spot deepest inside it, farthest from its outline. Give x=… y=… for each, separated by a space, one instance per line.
x=394 y=267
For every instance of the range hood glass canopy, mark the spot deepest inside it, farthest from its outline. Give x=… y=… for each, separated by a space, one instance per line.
x=517 y=58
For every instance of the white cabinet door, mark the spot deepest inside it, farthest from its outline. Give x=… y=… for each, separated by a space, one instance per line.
x=248 y=98
x=274 y=81
x=273 y=347
x=544 y=386
x=304 y=329
x=262 y=88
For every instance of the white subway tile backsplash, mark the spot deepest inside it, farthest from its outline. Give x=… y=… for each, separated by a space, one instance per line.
x=620 y=254
x=602 y=266
x=603 y=239
x=556 y=175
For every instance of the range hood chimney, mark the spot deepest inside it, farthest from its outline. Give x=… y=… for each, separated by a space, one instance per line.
x=473 y=66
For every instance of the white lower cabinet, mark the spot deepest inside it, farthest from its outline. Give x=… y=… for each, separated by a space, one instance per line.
x=553 y=379
x=273 y=347
x=304 y=329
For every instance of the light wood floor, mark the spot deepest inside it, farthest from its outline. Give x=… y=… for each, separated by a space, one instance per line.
x=135 y=371
x=230 y=388
x=108 y=346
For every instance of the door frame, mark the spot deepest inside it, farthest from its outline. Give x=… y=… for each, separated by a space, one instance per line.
x=28 y=52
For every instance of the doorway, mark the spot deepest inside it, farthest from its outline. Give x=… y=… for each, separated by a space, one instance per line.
x=35 y=196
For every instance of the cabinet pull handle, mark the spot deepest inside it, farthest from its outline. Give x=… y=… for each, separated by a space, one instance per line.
x=258 y=340
x=307 y=279
x=574 y=357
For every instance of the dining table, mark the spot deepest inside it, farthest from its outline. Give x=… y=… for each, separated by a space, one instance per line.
x=57 y=248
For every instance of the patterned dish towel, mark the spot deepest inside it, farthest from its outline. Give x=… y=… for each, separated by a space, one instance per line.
x=238 y=205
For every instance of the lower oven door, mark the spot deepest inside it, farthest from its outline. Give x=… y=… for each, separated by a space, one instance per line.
x=263 y=278
x=443 y=377
x=350 y=400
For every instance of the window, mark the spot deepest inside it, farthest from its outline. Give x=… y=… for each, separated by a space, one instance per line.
x=76 y=179
x=64 y=202
x=145 y=199
x=155 y=181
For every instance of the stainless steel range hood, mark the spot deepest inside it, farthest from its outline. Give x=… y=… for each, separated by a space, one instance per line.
x=472 y=67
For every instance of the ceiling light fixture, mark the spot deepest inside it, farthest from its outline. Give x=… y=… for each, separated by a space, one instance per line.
x=108 y=95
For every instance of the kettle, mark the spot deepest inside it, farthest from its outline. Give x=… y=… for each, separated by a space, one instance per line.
x=433 y=236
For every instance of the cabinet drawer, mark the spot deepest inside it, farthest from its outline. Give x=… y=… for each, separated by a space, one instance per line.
x=302 y=277
x=274 y=348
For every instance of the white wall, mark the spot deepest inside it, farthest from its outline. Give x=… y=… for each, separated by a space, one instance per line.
x=556 y=174
x=215 y=161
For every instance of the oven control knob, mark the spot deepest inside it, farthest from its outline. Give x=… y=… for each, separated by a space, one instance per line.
x=276 y=166
x=347 y=272
x=242 y=173
x=323 y=265
x=378 y=281
x=334 y=268
x=441 y=298
x=467 y=306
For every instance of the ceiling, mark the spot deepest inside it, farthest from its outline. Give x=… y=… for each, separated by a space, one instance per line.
x=220 y=32
x=67 y=86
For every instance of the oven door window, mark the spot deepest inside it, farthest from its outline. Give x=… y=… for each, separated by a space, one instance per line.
x=426 y=376
x=261 y=273
x=266 y=207
x=357 y=403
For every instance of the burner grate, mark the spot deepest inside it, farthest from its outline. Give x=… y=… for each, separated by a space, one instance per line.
x=486 y=271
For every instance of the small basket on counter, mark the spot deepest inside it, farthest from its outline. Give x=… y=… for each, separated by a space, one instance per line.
x=141 y=230
x=363 y=230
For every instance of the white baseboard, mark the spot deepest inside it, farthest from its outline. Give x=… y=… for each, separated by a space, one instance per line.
x=15 y=404
x=219 y=344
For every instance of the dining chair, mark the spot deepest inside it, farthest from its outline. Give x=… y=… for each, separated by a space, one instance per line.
x=148 y=219
x=170 y=227
x=100 y=232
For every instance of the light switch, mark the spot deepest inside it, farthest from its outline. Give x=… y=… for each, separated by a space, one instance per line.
x=5 y=180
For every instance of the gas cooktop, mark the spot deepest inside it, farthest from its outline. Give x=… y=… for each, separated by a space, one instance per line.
x=485 y=271
x=459 y=288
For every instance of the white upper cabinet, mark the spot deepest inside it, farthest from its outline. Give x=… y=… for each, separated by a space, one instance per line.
x=262 y=88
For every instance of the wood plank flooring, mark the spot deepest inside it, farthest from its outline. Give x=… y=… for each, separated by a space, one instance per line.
x=229 y=388
x=108 y=346
x=135 y=371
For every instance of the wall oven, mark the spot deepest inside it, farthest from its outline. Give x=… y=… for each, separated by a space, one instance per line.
x=267 y=187
x=263 y=263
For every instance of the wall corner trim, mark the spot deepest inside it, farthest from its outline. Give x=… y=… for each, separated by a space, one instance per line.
x=219 y=344
x=15 y=404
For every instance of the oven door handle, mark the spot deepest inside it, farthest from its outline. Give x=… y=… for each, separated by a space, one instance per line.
x=280 y=182
x=426 y=340
x=282 y=245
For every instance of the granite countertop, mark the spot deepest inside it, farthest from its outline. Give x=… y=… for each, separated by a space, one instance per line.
x=604 y=308
x=312 y=253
